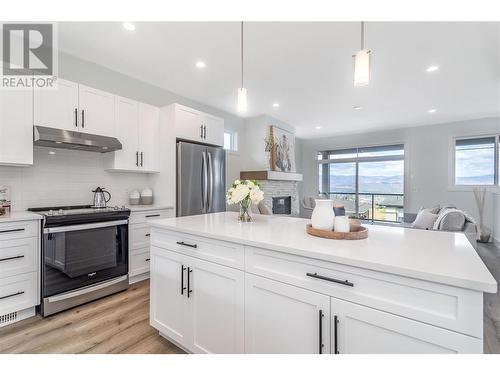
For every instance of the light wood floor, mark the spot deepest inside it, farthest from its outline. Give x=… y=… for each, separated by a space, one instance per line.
x=115 y=324
x=491 y=257
x=120 y=324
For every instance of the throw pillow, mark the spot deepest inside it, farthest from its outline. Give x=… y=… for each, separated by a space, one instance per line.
x=424 y=220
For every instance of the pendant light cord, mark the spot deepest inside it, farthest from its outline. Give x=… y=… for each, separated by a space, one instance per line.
x=362 y=35
x=241 y=53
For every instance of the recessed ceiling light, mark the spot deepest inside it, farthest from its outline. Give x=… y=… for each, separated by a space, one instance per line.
x=52 y=152
x=128 y=26
x=356 y=107
x=317 y=127
x=276 y=105
x=433 y=110
x=200 y=64
x=432 y=68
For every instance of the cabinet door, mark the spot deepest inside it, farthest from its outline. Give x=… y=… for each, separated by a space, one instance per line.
x=280 y=318
x=57 y=107
x=363 y=330
x=188 y=124
x=16 y=127
x=127 y=130
x=149 y=140
x=97 y=111
x=168 y=307
x=217 y=308
x=214 y=133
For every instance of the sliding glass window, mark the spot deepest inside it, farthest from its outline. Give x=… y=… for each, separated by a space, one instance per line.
x=368 y=181
x=476 y=161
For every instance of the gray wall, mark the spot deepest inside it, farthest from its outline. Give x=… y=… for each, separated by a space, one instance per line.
x=427 y=159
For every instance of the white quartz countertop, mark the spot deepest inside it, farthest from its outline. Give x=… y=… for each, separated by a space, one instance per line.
x=441 y=257
x=20 y=216
x=148 y=207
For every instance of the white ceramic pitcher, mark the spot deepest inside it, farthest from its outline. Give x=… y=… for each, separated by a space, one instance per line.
x=323 y=216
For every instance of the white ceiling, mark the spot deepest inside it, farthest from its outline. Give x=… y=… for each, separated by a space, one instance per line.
x=307 y=68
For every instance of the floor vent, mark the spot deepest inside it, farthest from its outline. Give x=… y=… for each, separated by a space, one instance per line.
x=8 y=318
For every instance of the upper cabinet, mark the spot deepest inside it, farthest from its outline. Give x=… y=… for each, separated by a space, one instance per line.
x=193 y=125
x=71 y=106
x=16 y=127
x=137 y=128
x=58 y=107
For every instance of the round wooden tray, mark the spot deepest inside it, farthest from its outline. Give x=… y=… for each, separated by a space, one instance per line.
x=358 y=233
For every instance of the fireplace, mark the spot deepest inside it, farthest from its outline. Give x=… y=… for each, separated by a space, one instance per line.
x=282 y=205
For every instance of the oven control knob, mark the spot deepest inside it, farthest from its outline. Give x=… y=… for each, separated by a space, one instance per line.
x=60 y=212
x=51 y=212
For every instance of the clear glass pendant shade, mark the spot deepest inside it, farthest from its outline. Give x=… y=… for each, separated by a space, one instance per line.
x=242 y=100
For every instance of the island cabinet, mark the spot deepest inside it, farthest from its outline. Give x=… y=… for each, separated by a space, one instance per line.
x=212 y=295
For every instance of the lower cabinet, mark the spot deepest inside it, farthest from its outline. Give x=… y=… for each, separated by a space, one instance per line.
x=280 y=318
x=196 y=303
x=357 y=329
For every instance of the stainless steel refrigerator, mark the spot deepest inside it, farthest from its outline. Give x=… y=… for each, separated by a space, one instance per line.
x=201 y=179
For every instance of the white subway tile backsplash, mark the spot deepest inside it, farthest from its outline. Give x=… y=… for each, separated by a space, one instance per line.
x=65 y=178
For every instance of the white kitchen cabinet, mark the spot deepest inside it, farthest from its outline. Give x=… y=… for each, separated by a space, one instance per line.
x=97 y=111
x=137 y=128
x=193 y=125
x=16 y=127
x=198 y=304
x=168 y=307
x=149 y=140
x=57 y=107
x=358 y=329
x=281 y=318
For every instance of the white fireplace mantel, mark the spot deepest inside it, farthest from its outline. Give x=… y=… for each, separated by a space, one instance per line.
x=270 y=175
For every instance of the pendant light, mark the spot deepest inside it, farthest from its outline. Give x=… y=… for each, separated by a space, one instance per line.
x=362 y=62
x=242 y=91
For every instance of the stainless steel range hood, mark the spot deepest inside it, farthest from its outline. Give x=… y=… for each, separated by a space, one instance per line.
x=59 y=138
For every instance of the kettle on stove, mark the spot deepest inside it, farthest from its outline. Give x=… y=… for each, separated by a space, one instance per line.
x=100 y=197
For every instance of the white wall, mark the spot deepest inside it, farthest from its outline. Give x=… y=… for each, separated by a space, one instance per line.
x=427 y=161
x=68 y=176
x=496 y=218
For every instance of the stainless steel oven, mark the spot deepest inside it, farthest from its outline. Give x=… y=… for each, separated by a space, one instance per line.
x=85 y=256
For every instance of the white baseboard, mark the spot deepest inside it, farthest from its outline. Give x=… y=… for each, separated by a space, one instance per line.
x=496 y=242
x=137 y=278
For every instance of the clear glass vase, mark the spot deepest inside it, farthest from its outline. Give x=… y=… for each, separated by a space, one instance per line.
x=244 y=216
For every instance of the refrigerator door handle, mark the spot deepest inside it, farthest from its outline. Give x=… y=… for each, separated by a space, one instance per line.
x=204 y=185
x=211 y=182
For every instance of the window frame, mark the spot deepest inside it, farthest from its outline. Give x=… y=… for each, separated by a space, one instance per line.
x=234 y=142
x=452 y=185
x=357 y=160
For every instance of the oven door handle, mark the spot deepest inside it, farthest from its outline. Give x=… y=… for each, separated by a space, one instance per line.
x=72 y=228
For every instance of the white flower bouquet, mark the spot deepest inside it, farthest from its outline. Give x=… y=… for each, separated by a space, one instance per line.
x=244 y=193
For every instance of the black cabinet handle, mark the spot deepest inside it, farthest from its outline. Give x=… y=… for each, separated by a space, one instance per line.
x=83 y=118
x=204 y=132
x=12 y=295
x=194 y=246
x=182 y=279
x=11 y=258
x=142 y=159
x=12 y=230
x=189 y=287
x=154 y=215
x=201 y=131
x=147 y=259
x=76 y=117
x=137 y=158
x=335 y=335
x=148 y=234
x=316 y=276
x=321 y=331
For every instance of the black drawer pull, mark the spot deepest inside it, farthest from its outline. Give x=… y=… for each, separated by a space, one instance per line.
x=335 y=335
x=148 y=234
x=194 y=246
x=12 y=295
x=316 y=276
x=12 y=230
x=155 y=215
x=147 y=259
x=321 y=315
x=189 y=287
x=11 y=258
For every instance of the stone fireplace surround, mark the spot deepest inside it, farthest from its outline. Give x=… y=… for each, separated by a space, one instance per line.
x=275 y=188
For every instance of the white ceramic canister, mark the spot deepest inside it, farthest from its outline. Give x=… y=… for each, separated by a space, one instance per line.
x=323 y=216
x=341 y=224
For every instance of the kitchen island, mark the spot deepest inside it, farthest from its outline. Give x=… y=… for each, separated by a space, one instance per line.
x=220 y=286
